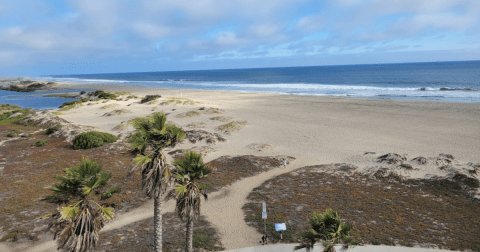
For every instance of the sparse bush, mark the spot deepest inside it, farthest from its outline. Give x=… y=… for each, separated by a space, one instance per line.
x=110 y=191
x=13 y=133
x=7 y=110
x=52 y=130
x=70 y=105
x=189 y=114
x=231 y=126
x=92 y=139
x=41 y=143
x=149 y=98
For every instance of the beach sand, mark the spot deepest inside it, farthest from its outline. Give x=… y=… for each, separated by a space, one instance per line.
x=313 y=129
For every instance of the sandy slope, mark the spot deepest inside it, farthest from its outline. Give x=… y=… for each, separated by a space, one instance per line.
x=315 y=130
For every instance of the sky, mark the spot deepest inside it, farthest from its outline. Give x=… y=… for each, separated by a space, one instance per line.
x=54 y=37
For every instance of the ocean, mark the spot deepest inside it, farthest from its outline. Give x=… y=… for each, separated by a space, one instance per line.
x=438 y=81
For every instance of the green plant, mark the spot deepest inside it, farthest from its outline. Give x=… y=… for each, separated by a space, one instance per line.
x=13 y=133
x=41 y=143
x=52 y=130
x=92 y=139
x=110 y=106
x=232 y=126
x=154 y=132
x=70 y=105
x=78 y=224
x=189 y=114
x=7 y=110
x=329 y=229
x=149 y=98
x=110 y=191
x=188 y=191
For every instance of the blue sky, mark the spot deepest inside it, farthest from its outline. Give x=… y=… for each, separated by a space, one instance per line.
x=47 y=37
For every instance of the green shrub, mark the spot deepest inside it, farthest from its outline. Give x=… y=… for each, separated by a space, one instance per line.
x=6 y=110
x=41 y=143
x=13 y=133
x=92 y=139
x=69 y=105
x=110 y=191
x=52 y=130
x=104 y=95
x=149 y=98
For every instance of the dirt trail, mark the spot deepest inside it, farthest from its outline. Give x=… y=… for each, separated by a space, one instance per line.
x=223 y=210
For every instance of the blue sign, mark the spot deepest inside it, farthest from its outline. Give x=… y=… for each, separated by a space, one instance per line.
x=280 y=227
x=264 y=215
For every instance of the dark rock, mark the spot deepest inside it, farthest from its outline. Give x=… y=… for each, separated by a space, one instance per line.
x=446 y=156
x=198 y=135
x=406 y=166
x=391 y=158
x=465 y=180
x=368 y=152
x=420 y=160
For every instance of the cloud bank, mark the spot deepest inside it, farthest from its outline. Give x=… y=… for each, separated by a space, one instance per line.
x=89 y=36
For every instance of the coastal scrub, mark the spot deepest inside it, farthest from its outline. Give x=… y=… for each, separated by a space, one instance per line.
x=232 y=126
x=92 y=139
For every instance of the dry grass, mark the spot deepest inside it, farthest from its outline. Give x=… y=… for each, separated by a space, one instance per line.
x=383 y=210
x=29 y=173
x=139 y=236
x=189 y=114
x=196 y=125
x=213 y=111
x=221 y=118
x=117 y=112
x=110 y=106
x=178 y=101
x=232 y=126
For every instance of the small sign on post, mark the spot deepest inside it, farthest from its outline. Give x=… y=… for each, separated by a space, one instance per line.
x=264 y=215
x=264 y=207
x=279 y=227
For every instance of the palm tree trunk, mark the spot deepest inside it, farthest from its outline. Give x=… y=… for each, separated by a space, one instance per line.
x=189 y=238
x=157 y=219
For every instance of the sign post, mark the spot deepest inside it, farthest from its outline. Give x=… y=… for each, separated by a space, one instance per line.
x=264 y=216
x=279 y=227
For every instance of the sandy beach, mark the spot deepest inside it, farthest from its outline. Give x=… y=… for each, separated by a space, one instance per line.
x=314 y=130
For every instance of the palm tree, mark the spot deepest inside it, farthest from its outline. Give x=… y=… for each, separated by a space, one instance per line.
x=77 y=225
x=328 y=228
x=188 y=191
x=152 y=135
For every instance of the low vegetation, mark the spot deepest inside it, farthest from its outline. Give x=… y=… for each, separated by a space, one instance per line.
x=213 y=111
x=52 y=130
x=62 y=95
x=41 y=143
x=221 y=118
x=149 y=98
x=382 y=210
x=232 y=126
x=179 y=101
x=117 y=112
x=110 y=106
x=12 y=114
x=189 y=114
x=92 y=139
x=70 y=105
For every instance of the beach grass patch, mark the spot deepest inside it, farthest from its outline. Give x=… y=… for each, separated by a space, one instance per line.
x=41 y=143
x=121 y=127
x=92 y=139
x=70 y=105
x=117 y=112
x=122 y=93
x=189 y=114
x=179 y=101
x=221 y=118
x=149 y=98
x=232 y=126
x=213 y=111
x=58 y=113
x=110 y=106
x=196 y=125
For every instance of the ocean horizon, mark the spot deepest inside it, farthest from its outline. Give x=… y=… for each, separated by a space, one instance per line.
x=431 y=81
